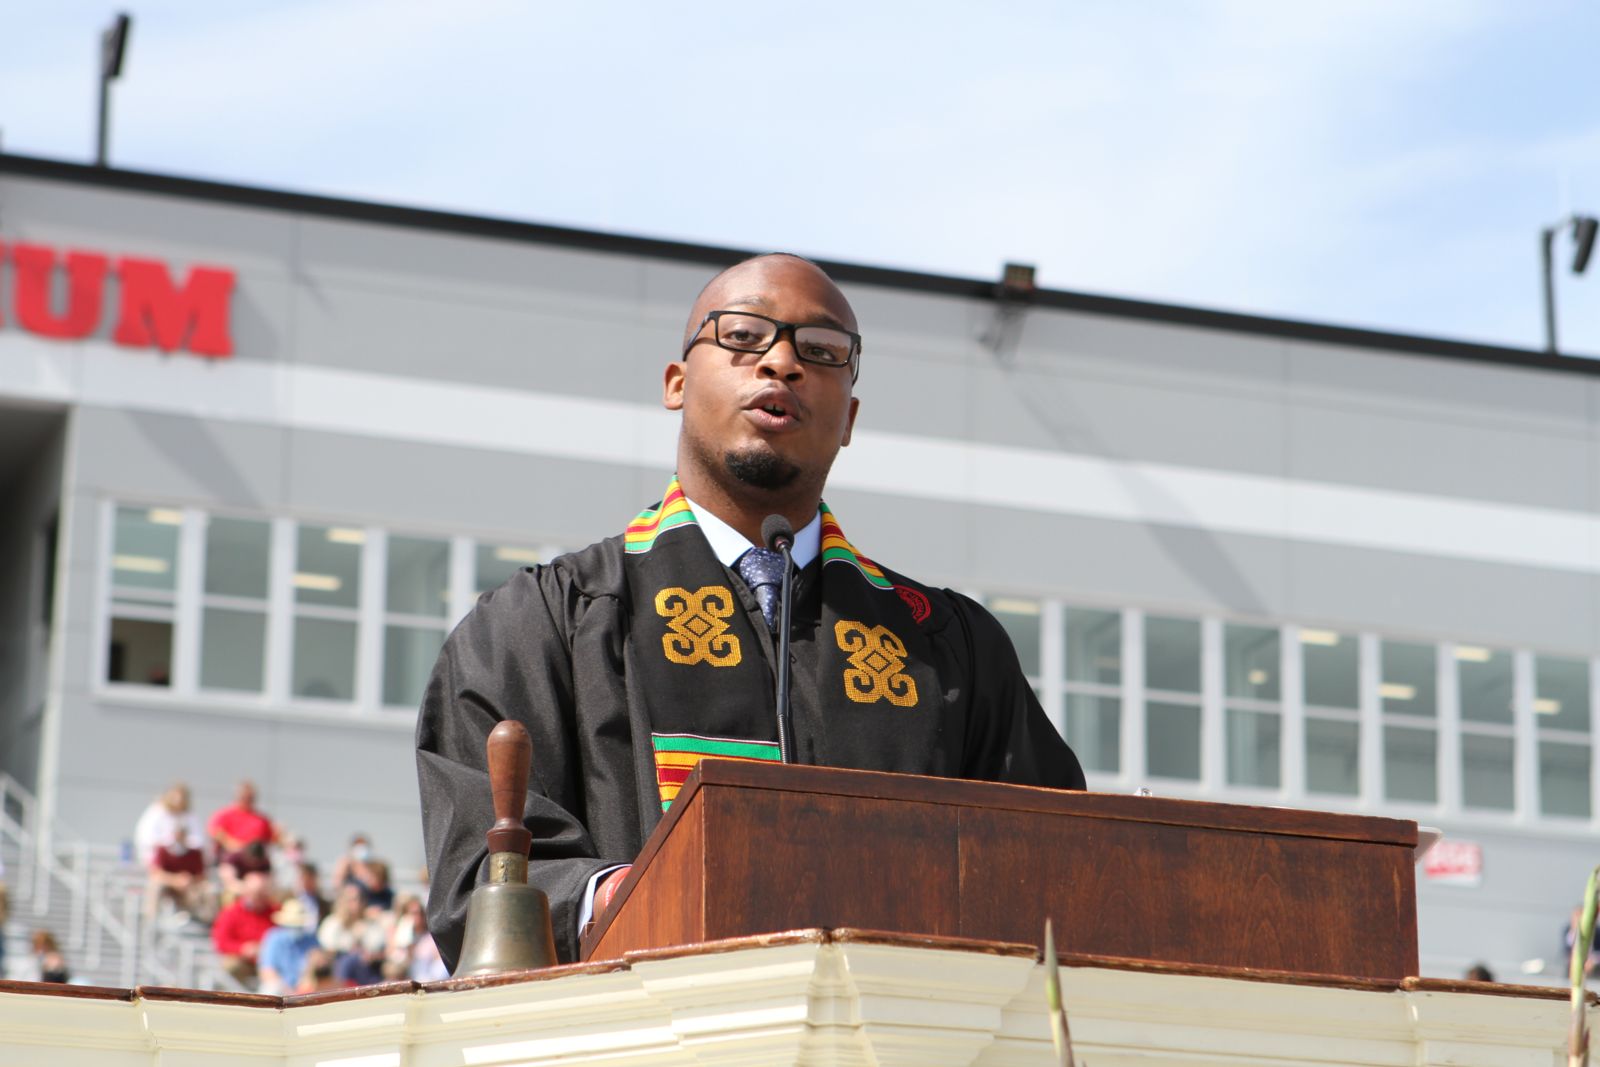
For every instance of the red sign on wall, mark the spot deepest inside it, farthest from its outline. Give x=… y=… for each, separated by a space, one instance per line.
x=152 y=310
x=1454 y=863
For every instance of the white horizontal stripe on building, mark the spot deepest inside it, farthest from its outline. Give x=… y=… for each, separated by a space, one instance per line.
x=309 y=397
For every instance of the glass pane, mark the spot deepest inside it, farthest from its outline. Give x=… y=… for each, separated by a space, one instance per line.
x=1485 y=681
x=408 y=655
x=1021 y=620
x=145 y=555
x=1561 y=697
x=324 y=659
x=141 y=652
x=496 y=563
x=327 y=565
x=236 y=557
x=1172 y=654
x=1409 y=675
x=1563 y=779
x=1486 y=772
x=1094 y=730
x=1410 y=766
x=1332 y=669
x=1253 y=740
x=1172 y=740
x=1333 y=757
x=1094 y=646
x=419 y=576
x=1250 y=655
x=233 y=648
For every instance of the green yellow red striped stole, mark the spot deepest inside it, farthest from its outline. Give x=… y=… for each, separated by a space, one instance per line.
x=677 y=754
x=674 y=511
x=651 y=523
x=836 y=549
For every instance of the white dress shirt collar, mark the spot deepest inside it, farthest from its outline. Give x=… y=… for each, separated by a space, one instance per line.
x=729 y=544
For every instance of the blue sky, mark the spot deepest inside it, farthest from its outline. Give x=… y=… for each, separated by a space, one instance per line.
x=1384 y=164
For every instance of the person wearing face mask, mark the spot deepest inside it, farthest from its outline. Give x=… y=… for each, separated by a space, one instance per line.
x=360 y=868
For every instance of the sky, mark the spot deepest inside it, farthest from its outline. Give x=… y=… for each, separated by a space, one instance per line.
x=1380 y=164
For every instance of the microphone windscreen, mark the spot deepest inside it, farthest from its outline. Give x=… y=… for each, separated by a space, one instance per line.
x=775 y=531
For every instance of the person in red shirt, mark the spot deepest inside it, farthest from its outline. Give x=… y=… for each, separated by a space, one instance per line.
x=239 y=928
x=233 y=830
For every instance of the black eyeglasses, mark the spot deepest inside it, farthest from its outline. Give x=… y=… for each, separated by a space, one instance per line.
x=744 y=331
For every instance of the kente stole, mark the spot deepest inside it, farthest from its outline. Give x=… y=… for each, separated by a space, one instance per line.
x=863 y=683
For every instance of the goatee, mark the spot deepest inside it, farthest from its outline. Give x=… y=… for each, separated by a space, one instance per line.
x=761 y=469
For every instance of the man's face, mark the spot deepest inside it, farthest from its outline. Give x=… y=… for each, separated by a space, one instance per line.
x=764 y=421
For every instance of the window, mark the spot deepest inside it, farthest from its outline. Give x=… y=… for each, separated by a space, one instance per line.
x=1172 y=697
x=495 y=564
x=1408 y=691
x=1252 y=661
x=1331 y=664
x=1022 y=620
x=144 y=587
x=233 y=618
x=416 y=603
x=1561 y=723
x=1093 y=690
x=327 y=599
x=1484 y=682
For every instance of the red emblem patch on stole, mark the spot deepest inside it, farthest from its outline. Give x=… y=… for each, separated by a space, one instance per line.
x=916 y=601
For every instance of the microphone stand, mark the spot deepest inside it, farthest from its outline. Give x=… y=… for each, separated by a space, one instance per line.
x=785 y=735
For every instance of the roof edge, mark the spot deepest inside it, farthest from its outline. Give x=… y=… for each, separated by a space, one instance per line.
x=717 y=255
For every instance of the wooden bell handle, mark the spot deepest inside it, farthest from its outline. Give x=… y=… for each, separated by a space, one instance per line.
x=510 y=752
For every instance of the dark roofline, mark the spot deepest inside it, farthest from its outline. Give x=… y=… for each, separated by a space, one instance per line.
x=714 y=255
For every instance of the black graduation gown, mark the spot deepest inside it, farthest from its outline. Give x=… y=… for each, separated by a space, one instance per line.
x=553 y=648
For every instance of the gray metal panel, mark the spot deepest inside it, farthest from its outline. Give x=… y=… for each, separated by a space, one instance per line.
x=135 y=455
x=1421 y=596
x=1412 y=452
x=427 y=489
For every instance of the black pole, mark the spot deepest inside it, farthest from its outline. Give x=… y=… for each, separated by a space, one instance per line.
x=1547 y=240
x=101 y=133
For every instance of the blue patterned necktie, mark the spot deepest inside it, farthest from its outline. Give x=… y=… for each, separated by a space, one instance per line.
x=762 y=571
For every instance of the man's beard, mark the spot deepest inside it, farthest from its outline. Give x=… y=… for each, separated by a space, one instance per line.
x=760 y=468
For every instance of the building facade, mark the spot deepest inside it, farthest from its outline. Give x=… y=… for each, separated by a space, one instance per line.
x=262 y=450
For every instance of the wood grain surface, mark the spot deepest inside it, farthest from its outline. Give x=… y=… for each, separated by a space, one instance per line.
x=753 y=848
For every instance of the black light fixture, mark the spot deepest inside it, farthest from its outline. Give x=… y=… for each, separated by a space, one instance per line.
x=1584 y=228
x=113 y=47
x=1012 y=294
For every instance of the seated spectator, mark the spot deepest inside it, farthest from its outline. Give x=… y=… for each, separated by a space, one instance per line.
x=1569 y=935
x=285 y=948
x=177 y=873
x=358 y=867
x=1479 y=972
x=376 y=893
x=49 y=965
x=412 y=953
x=252 y=859
x=357 y=941
x=309 y=893
x=240 y=824
x=318 y=977
x=239 y=927
x=166 y=814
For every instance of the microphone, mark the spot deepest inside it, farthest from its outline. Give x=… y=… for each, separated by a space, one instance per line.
x=778 y=535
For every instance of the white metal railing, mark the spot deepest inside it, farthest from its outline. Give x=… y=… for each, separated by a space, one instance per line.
x=99 y=914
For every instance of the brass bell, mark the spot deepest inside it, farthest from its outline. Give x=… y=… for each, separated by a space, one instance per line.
x=508 y=920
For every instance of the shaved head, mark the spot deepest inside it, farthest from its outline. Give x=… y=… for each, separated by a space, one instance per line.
x=724 y=289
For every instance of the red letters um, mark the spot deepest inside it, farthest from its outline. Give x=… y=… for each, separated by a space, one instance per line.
x=154 y=312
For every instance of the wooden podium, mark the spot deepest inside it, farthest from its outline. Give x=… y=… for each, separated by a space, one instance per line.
x=750 y=848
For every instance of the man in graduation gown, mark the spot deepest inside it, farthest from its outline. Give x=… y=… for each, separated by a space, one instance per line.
x=631 y=660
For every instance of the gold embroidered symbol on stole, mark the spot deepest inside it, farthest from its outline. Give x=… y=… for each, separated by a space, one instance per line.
x=696 y=630
x=878 y=659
